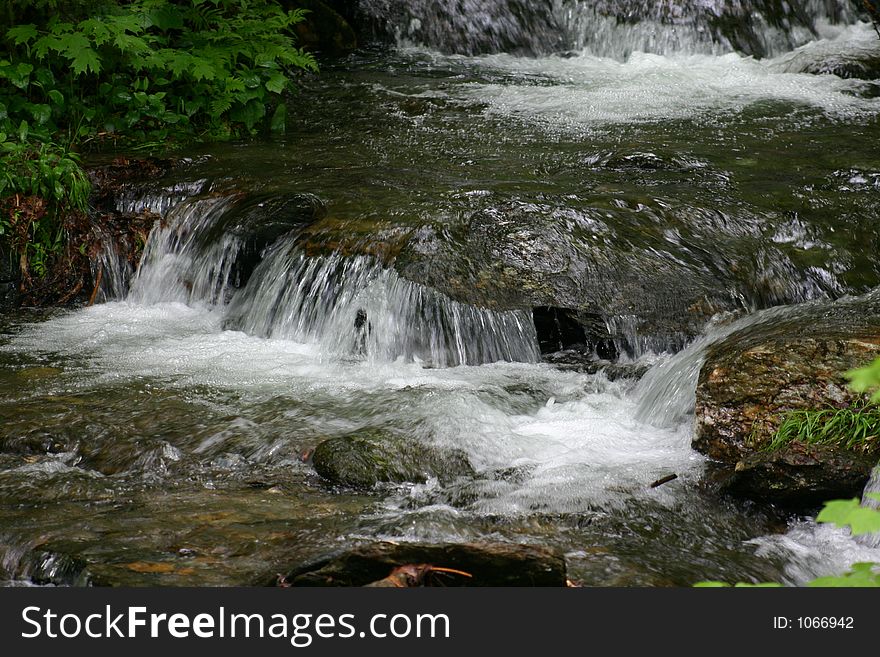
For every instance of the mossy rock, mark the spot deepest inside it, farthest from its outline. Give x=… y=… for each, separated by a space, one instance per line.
x=364 y=459
x=794 y=359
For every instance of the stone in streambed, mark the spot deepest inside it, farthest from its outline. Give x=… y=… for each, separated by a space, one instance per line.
x=793 y=360
x=364 y=459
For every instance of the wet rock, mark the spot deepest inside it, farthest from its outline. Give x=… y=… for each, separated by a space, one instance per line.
x=800 y=475
x=858 y=60
x=324 y=30
x=575 y=266
x=752 y=378
x=110 y=180
x=369 y=457
x=490 y=564
x=258 y=220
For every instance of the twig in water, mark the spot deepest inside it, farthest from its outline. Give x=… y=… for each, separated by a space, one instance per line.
x=664 y=480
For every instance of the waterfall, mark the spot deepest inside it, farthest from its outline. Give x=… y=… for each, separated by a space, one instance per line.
x=181 y=264
x=873 y=486
x=348 y=305
x=356 y=306
x=606 y=28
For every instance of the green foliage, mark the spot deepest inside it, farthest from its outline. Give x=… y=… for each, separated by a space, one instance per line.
x=866 y=379
x=850 y=513
x=40 y=183
x=850 y=428
x=150 y=70
x=45 y=170
x=860 y=575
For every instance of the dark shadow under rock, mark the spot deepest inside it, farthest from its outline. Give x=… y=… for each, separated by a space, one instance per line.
x=489 y=564
x=800 y=476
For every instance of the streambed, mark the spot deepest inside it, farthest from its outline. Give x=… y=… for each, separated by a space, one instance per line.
x=157 y=438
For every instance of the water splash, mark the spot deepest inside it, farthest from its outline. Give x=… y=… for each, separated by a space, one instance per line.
x=181 y=264
x=356 y=306
x=873 y=486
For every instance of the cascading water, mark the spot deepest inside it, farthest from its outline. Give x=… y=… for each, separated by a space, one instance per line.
x=348 y=305
x=650 y=180
x=353 y=305
x=609 y=28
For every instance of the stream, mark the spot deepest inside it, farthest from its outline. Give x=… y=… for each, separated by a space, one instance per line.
x=157 y=437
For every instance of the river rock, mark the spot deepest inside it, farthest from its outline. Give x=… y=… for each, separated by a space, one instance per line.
x=489 y=564
x=794 y=360
x=368 y=457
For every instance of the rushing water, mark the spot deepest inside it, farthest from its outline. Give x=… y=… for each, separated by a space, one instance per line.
x=157 y=437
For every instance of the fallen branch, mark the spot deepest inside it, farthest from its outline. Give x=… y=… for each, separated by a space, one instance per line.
x=97 y=285
x=412 y=575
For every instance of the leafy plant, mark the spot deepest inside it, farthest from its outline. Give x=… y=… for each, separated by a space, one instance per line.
x=150 y=69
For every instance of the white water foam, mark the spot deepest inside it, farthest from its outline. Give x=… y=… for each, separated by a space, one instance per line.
x=571 y=434
x=587 y=91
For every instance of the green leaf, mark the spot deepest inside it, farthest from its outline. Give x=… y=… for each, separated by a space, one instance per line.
x=22 y=34
x=851 y=513
x=23 y=130
x=861 y=575
x=711 y=585
x=276 y=83
x=56 y=97
x=41 y=113
x=279 y=119
x=202 y=69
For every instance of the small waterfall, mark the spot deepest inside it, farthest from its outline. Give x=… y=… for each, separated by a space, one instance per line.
x=348 y=305
x=667 y=393
x=873 y=486
x=180 y=264
x=113 y=269
x=356 y=306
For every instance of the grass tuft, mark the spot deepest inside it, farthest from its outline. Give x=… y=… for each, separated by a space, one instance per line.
x=856 y=428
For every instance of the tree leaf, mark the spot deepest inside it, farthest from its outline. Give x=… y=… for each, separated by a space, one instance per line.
x=851 y=513
x=22 y=34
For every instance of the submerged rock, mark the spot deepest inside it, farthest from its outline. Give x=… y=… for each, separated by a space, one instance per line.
x=369 y=457
x=752 y=378
x=489 y=564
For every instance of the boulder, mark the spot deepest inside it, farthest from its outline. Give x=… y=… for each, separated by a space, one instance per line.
x=368 y=457
x=489 y=564
x=795 y=359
